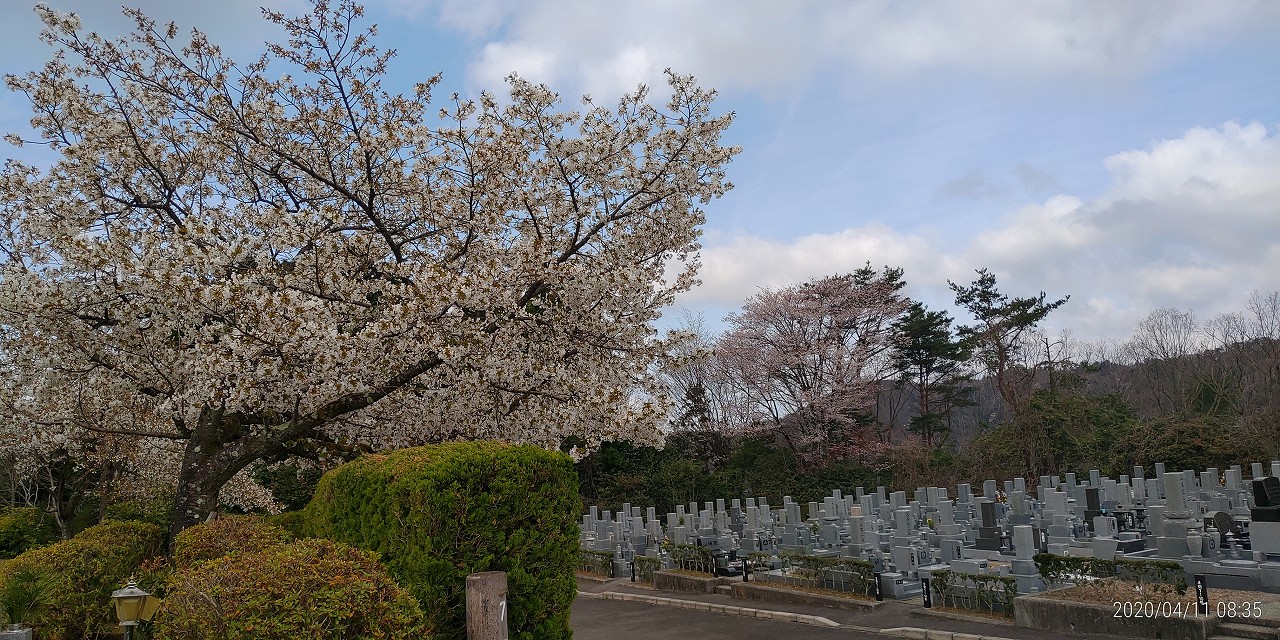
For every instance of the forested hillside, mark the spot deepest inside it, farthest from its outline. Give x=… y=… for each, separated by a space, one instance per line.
x=843 y=381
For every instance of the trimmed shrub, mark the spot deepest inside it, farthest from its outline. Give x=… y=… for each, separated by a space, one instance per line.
x=436 y=514
x=290 y=521
x=24 y=528
x=83 y=572
x=221 y=536
x=155 y=509
x=307 y=589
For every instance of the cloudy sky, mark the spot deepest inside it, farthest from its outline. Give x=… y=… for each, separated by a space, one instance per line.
x=1125 y=153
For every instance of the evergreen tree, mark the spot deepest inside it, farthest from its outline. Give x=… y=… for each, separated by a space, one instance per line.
x=931 y=361
x=998 y=337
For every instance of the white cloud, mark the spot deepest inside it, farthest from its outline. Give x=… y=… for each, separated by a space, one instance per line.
x=1191 y=223
x=762 y=45
x=736 y=269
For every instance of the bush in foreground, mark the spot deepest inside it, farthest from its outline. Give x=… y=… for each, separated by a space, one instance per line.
x=24 y=528
x=315 y=589
x=439 y=513
x=83 y=571
x=227 y=534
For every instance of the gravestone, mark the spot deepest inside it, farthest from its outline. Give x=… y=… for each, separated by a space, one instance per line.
x=988 y=534
x=1023 y=567
x=1264 y=530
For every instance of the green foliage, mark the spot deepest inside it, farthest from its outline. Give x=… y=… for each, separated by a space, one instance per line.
x=292 y=483
x=83 y=572
x=155 y=510
x=621 y=472
x=222 y=536
x=599 y=563
x=24 y=595
x=291 y=521
x=849 y=575
x=307 y=589
x=1188 y=442
x=645 y=568
x=693 y=558
x=23 y=528
x=1060 y=431
x=677 y=474
x=989 y=593
x=931 y=361
x=1154 y=575
x=439 y=513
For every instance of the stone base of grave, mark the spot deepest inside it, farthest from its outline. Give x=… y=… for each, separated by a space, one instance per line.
x=761 y=592
x=686 y=583
x=20 y=634
x=1029 y=583
x=900 y=587
x=1265 y=537
x=1068 y=616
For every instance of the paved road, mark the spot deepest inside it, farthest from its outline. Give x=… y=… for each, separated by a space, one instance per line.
x=598 y=619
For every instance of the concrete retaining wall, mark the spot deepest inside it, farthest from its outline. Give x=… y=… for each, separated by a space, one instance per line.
x=1038 y=612
x=764 y=593
x=685 y=583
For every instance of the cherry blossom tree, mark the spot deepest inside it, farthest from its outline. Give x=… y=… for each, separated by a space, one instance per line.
x=808 y=359
x=281 y=258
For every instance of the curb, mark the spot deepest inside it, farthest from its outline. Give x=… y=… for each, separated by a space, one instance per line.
x=916 y=633
x=945 y=614
x=694 y=605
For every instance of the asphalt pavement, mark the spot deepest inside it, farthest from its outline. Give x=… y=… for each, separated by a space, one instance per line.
x=620 y=609
x=600 y=619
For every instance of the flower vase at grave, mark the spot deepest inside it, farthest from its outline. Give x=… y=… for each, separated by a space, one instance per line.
x=1195 y=544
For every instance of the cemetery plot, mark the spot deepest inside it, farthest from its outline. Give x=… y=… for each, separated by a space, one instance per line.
x=979 y=547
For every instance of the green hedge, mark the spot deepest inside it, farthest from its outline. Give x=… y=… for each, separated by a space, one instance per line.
x=848 y=575
x=308 y=589
x=436 y=514
x=84 y=571
x=1157 y=575
x=23 y=528
x=993 y=594
x=691 y=557
x=598 y=563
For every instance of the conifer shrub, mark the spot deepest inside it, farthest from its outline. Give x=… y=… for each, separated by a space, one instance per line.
x=227 y=534
x=23 y=528
x=312 y=588
x=83 y=571
x=438 y=513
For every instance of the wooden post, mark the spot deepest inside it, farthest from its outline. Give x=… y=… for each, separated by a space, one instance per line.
x=487 y=606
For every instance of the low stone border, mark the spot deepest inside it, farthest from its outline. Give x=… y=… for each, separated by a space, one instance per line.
x=1052 y=614
x=694 y=605
x=685 y=583
x=766 y=593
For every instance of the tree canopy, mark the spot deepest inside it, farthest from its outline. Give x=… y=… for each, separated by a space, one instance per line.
x=263 y=260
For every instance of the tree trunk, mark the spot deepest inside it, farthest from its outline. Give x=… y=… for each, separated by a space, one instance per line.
x=197 y=493
x=215 y=452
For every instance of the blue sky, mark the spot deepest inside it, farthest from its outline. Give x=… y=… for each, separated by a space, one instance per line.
x=1125 y=153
